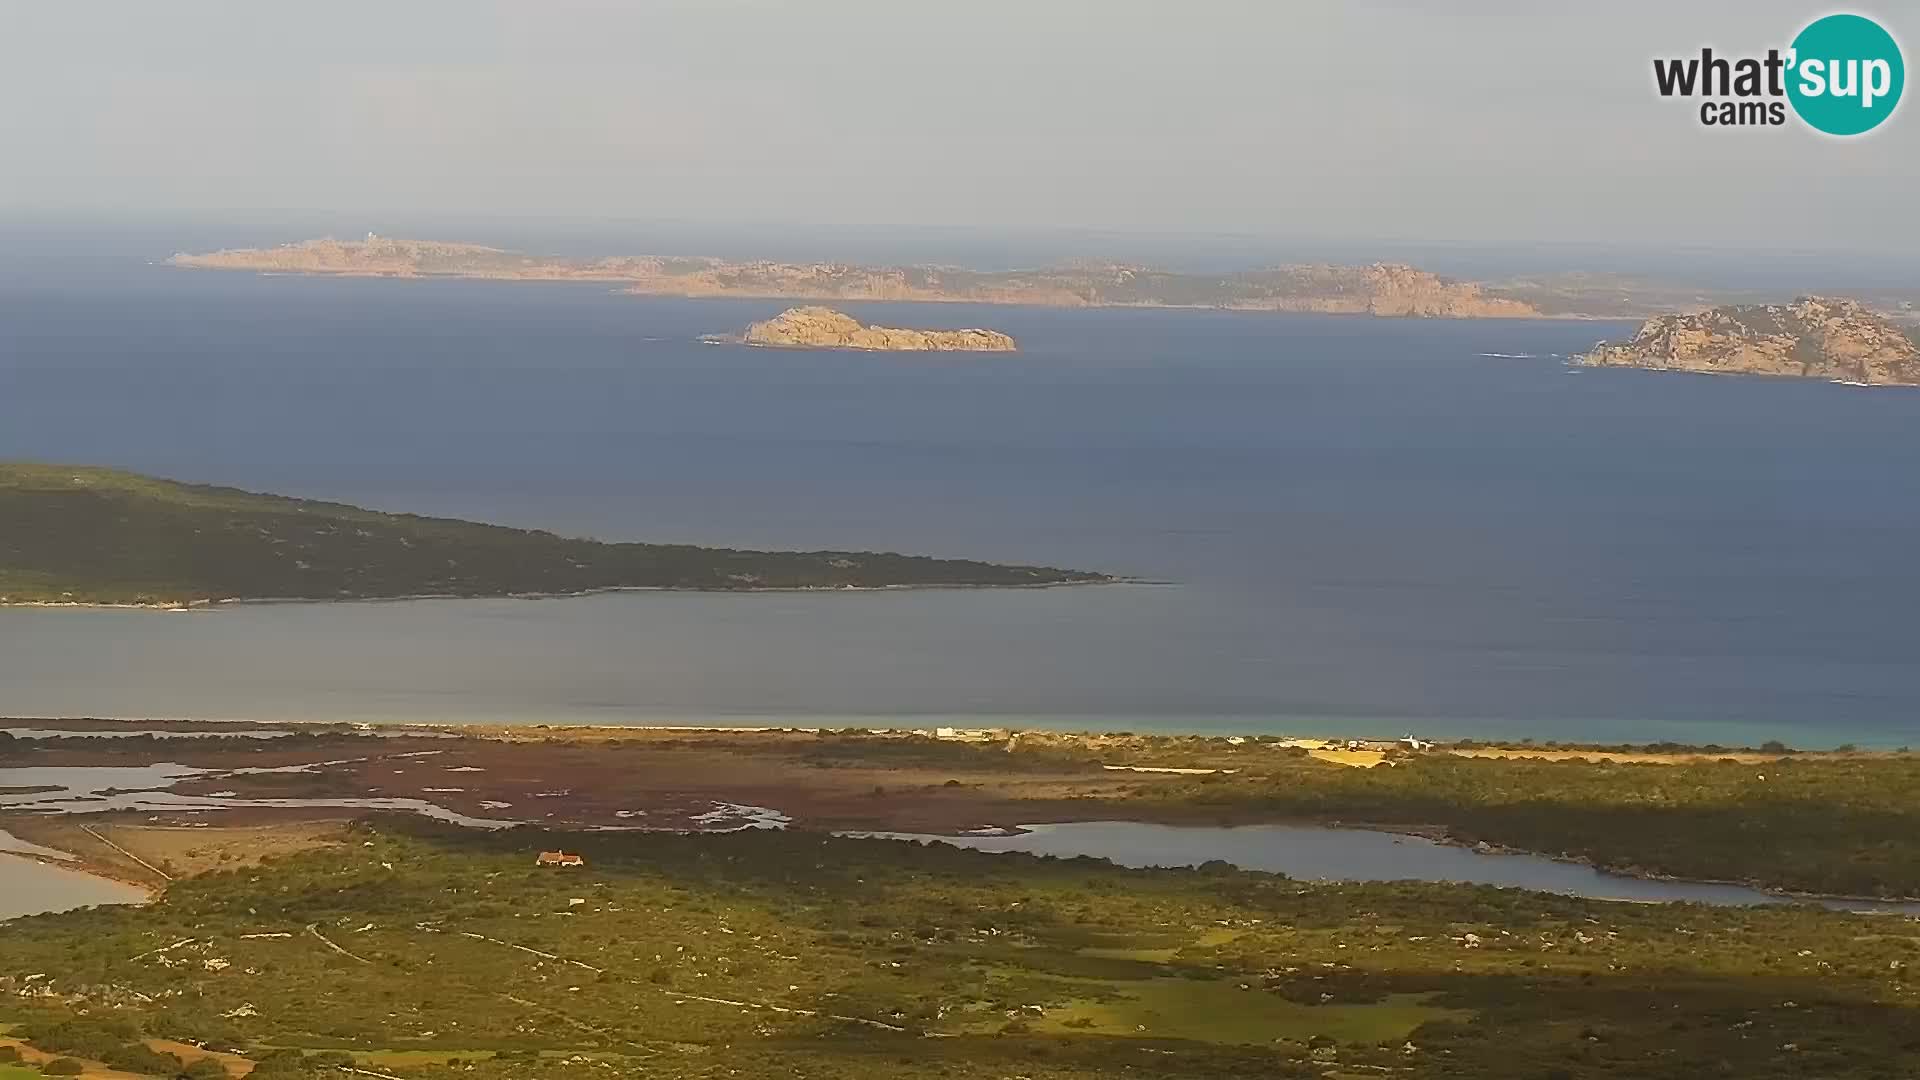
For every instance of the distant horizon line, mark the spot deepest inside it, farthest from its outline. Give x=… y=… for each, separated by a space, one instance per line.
x=353 y=224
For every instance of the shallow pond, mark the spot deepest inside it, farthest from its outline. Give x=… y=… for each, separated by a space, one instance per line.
x=1310 y=852
x=150 y=733
x=13 y=844
x=32 y=888
x=148 y=788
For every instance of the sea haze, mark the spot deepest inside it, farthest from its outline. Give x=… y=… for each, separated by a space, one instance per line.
x=1367 y=525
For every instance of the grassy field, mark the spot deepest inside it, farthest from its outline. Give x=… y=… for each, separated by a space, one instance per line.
x=1222 y=1012
x=436 y=954
x=94 y=535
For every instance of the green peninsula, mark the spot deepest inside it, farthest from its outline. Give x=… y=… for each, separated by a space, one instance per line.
x=102 y=536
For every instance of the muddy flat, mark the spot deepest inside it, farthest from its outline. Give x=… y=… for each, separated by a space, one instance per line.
x=575 y=779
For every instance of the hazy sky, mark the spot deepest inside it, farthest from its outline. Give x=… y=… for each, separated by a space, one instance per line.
x=1498 y=122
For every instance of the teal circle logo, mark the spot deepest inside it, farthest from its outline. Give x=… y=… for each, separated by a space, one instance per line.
x=1846 y=74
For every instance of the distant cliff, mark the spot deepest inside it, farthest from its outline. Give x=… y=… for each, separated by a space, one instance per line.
x=1380 y=289
x=1813 y=337
x=376 y=256
x=1377 y=289
x=825 y=328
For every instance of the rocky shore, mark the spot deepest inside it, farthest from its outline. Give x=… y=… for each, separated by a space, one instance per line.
x=1381 y=288
x=1813 y=337
x=825 y=328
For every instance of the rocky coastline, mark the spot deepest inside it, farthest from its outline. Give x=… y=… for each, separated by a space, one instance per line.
x=1388 y=289
x=825 y=328
x=1818 y=337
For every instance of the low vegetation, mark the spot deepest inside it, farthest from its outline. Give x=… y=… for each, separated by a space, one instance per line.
x=86 y=535
x=117 y=1043
x=420 y=951
x=1834 y=824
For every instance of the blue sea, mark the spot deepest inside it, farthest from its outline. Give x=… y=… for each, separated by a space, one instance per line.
x=1351 y=525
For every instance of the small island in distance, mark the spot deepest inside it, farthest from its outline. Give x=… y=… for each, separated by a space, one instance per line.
x=1813 y=337
x=80 y=535
x=825 y=328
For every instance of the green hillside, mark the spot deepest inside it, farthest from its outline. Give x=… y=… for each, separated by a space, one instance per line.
x=91 y=535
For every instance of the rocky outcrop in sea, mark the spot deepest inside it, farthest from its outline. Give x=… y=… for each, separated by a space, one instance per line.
x=825 y=328
x=1813 y=337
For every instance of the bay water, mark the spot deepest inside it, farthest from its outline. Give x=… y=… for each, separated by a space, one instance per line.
x=1342 y=524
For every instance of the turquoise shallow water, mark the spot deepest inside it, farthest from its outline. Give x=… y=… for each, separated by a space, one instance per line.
x=1371 y=526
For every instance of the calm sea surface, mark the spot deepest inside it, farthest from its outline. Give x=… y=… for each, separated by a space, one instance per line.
x=1367 y=525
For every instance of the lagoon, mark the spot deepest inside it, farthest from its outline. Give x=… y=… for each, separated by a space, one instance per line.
x=1321 y=853
x=30 y=887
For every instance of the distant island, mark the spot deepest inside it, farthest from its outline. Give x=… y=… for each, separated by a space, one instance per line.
x=101 y=536
x=1813 y=337
x=1385 y=289
x=825 y=328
